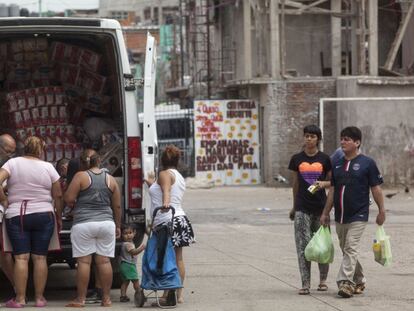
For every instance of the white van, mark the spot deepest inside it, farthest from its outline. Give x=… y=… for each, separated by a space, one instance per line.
x=58 y=74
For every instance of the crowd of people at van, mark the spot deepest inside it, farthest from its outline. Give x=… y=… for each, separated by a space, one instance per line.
x=33 y=194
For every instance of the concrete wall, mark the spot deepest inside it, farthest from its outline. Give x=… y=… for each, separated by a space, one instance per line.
x=387 y=126
x=306 y=37
x=288 y=106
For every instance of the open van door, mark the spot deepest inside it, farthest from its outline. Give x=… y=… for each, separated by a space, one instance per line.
x=149 y=143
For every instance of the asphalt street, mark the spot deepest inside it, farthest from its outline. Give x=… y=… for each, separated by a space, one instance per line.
x=245 y=258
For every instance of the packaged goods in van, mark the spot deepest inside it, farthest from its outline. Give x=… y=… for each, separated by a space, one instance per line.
x=16 y=46
x=50 y=153
x=35 y=57
x=18 y=72
x=41 y=97
x=69 y=151
x=21 y=134
x=11 y=86
x=50 y=96
x=59 y=151
x=40 y=130
x=59 y=95
x=53 y=115
x=92 y=81
x=63 y=115
x=44 y=115
x=30 y=131
x=50 y=130
x=27 y=117
x=77 y=150
x=35 y=116
x=11 y=100
x=66 y=53
x=21 y=100
x=42 y=71
x=96 y=102
x=30 y=95
x=17 y=120
x=90 y=60
x=68 y=74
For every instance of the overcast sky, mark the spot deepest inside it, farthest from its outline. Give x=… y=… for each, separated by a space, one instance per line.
x=54 y=5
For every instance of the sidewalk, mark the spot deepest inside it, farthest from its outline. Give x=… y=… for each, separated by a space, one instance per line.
x=245 y=258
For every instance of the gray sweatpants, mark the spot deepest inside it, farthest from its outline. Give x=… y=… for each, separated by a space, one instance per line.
x=305 y=226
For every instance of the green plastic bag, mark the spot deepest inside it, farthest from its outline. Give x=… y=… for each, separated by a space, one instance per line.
x=386 y=256
x=320 y=248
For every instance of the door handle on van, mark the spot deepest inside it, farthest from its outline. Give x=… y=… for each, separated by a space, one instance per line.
x=130 y=83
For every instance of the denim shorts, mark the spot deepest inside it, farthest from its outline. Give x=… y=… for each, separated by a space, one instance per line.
x=33 y=236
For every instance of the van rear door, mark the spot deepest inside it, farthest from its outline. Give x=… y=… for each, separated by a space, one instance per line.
x=149 y=143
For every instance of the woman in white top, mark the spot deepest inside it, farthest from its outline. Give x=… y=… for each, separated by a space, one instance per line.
x=168 y=191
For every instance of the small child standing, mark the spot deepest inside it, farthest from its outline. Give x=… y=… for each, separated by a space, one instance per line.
x=128 y=262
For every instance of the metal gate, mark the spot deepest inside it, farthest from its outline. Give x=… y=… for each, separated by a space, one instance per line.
x=176 y=126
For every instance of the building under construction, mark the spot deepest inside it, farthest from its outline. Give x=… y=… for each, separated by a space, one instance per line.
x=287 y=55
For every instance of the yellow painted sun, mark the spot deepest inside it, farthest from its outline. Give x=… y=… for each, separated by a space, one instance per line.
x=229 y=173
x=237 y=121
x=249 y=158
x=230 y=135
x=250 y=135
x=254 y=127
x=245 y=175
x=254 y=181
x=255 y=117
x=209 y=176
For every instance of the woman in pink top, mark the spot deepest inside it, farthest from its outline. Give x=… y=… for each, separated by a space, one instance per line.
x=34 y=198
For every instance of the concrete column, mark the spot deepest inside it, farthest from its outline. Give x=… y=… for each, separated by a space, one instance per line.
x=247 y=44
x=160 y=20
x=373 y=37
x=274 y=39
x=354 y=39
x=336 y=41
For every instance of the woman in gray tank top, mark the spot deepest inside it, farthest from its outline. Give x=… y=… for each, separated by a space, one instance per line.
x=96 y=201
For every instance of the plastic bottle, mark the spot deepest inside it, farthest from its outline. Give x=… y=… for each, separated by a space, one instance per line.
x=376 y=247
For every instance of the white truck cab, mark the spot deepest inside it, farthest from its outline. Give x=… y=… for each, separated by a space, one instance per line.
x=58 y=74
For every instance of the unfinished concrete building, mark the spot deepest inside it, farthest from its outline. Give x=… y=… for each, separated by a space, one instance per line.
x=288 y=54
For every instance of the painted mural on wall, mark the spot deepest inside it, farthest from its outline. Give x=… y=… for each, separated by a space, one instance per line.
x=227 y=141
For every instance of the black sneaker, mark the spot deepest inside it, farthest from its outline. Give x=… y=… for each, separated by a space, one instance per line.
x=94 y=296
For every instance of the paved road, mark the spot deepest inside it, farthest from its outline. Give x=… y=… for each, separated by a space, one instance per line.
x=245 y=258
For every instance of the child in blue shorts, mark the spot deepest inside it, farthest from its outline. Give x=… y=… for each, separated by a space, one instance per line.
x=128 y=261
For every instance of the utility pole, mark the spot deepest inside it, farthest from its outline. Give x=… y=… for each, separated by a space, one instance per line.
x=40 y=8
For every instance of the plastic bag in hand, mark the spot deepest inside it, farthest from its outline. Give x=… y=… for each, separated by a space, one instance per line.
x=320 y=248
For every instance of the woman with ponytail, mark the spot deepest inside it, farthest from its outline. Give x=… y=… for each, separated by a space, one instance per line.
x=96 y=200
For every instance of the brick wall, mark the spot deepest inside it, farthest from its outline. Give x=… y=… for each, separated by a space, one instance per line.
x=288 y=107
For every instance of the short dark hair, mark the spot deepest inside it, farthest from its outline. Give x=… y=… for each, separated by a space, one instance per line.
x=313 y=129
x=170 y=156
x=352 y=132
x=128 y=227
